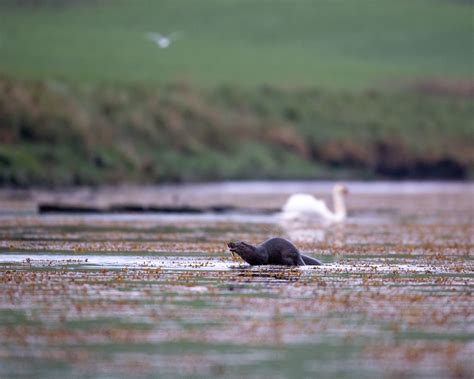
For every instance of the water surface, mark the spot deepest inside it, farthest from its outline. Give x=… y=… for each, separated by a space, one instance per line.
x=158 y=295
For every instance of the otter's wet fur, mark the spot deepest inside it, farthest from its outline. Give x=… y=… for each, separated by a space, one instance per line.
x=275 y=251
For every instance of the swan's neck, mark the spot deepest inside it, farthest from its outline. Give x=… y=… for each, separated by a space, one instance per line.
x=339 y=206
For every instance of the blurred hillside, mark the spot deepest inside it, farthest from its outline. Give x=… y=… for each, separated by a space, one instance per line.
x=55 y=134
x=245 y=90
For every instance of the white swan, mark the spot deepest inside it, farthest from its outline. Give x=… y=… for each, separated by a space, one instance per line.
x=160 y=40
x=302 y=204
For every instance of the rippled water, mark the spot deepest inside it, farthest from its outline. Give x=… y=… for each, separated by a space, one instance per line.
x=158 y=295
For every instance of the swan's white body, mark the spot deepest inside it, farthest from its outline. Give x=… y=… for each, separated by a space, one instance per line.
x=305 y=205
x=160 y=40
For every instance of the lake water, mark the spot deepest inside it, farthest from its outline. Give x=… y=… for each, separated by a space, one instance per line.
x=148 y=295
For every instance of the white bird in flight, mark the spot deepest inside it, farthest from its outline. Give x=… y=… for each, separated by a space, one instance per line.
x=160 y=40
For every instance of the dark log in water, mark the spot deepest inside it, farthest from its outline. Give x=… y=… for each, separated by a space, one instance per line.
x=64 y=208
x=140 y=208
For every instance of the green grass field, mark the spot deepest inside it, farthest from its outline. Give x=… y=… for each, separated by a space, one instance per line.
x=330 y=43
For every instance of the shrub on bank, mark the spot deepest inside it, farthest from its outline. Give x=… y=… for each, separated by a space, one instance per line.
x=53 y=133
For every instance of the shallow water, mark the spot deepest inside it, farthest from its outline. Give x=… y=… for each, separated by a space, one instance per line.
x=158 y=295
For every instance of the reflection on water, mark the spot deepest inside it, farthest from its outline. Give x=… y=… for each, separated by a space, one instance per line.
x=120 y=295
x=164 y=263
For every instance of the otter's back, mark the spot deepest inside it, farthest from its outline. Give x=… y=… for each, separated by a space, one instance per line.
x=280 y=251
x=277 y=244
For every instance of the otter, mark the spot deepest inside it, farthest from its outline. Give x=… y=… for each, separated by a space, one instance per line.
x=275 y=251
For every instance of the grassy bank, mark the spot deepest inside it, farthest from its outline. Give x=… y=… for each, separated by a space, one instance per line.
x=269 y=90
x=337 y=44
x=53 y=133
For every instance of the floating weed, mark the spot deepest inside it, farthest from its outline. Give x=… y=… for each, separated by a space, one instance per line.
x=79 y=293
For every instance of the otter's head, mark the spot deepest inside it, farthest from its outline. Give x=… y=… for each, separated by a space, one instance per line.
x=243 y=250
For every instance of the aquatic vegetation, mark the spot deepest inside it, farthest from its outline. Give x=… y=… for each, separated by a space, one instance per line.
x=117 y=295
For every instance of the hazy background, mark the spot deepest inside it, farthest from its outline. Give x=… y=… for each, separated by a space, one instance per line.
x=245 y=90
